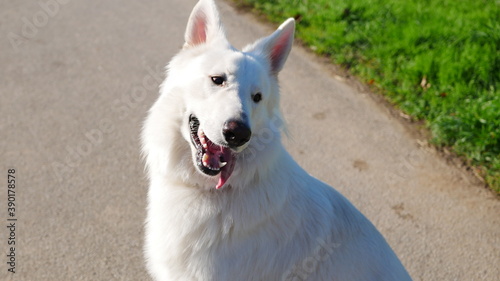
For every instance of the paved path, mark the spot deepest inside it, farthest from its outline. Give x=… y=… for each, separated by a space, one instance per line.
x=76 y=79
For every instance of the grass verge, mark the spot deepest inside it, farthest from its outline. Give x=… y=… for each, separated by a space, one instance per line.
x=438 y=61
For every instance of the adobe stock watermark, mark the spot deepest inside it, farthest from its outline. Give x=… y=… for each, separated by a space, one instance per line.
x=407 y=163
x=94 y=137
x=303 y=270
x=261 y=143
x=32 y=25
x=265 y=136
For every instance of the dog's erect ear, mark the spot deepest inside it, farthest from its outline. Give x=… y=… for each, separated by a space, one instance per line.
x=204 y=24
x=277 y=46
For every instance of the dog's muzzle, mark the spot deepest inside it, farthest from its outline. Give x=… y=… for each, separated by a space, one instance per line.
x=213 y=159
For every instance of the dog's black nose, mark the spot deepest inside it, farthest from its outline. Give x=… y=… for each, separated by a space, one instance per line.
x=236 y=133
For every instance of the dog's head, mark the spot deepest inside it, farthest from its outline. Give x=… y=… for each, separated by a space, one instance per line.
x=230 y=98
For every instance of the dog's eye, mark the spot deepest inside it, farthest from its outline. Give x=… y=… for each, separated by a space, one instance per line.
x=257 y=97
x=217 y=80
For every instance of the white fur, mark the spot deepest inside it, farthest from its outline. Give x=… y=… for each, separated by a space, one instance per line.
x=271 y=220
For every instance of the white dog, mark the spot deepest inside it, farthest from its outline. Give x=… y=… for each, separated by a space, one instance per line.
x=226 y=201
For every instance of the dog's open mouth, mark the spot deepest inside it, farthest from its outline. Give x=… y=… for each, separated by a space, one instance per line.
x=212 y=159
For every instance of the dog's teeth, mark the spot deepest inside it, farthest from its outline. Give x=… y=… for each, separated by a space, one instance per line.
x=203 y=140
x=222 y=164
x=205 y=160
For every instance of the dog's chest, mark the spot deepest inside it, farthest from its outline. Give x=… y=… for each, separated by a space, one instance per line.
x=213 y=243
x=232 y=260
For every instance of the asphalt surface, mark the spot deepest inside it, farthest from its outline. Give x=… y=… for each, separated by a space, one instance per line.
x=76 y=80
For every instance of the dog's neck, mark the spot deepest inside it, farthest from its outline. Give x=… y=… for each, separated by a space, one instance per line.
x=261 y=193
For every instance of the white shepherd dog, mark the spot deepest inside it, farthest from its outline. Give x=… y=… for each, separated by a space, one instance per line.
x=226 y=201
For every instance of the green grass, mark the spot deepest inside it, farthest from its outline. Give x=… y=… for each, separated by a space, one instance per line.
x=438 y=61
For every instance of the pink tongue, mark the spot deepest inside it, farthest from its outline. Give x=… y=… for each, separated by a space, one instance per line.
x=227 y=170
